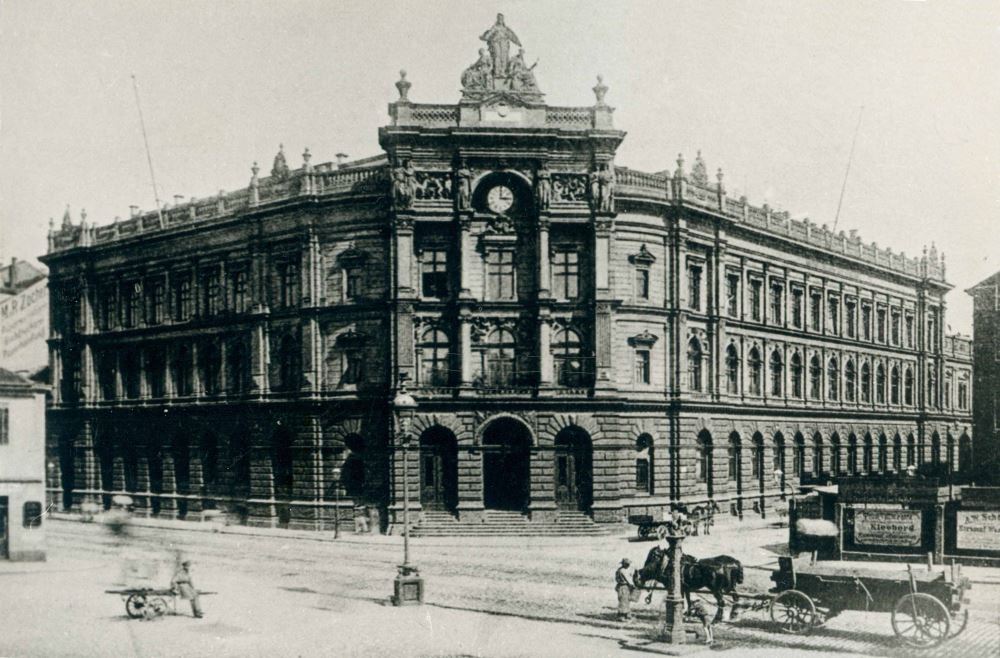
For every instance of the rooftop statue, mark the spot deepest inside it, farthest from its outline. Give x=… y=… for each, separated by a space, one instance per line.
x=498 y=38
x=496 y=72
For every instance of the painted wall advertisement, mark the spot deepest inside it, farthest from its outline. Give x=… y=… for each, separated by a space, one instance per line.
x=24 y=327
x=883 y=527
x=979 y=531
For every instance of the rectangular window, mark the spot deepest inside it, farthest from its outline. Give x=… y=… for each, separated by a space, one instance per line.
x=909 y=331
x=109 y=307
x=642 y=367
x=777 y=301
x=566 y=274
x=352 y=282
x=155 y=301
x=694 y=287
x=210 y=302
x=32 y=514
x=642 y=475
x=641 y=283
x=866 y=322
x=815 y=311
x=797 y=307
x=755 y=299
x=434 y=273
x=963 y=395
x=4 y=425
x=895 y=328
x=850 y=314
x=130 y=303
x=500 y=274
x=733 y=295
x=880 y=324
x=833 y=314
x=182 y=296
x=238 y=282
x=288 y=284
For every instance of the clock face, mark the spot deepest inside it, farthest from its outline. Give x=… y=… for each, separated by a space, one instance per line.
x=500 y=199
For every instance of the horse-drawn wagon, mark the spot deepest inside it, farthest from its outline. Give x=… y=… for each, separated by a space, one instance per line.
x=926 y=607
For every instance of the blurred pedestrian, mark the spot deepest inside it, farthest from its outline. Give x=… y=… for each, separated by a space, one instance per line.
x=183 y=585
x=623 y=587
x=361 y=518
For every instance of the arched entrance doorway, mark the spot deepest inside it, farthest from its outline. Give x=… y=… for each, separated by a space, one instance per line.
x=506 y=465
x=573 y=470
x=438 y=469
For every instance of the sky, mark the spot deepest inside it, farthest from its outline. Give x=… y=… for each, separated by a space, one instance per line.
x=769 y=91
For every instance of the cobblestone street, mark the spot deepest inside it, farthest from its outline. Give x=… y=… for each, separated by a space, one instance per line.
x=282 y=595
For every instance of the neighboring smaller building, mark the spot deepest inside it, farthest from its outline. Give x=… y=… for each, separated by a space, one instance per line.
x=986 y=369
x=22 y=468
x=24 y=317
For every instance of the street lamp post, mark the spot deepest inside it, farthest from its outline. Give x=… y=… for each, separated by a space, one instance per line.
x=336 y=503
x=409 y=586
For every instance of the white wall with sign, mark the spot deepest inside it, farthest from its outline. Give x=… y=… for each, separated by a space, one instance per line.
x=978 y=531
x=882 y=527
x=24 y=328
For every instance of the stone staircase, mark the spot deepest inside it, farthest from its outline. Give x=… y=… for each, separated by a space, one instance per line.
x=501 y=523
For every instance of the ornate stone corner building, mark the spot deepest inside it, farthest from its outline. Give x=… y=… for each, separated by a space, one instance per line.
x=581 y=337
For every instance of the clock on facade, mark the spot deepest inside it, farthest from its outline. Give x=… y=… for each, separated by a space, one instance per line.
x=500 y=199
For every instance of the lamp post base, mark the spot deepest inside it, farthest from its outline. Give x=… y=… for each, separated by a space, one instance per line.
x=408 y=586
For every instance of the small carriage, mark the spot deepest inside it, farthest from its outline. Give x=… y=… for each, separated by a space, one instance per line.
x=926 y=607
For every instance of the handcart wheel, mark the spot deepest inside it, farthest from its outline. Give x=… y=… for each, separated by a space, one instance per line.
x=157 y=607
x=135 y=605
x=920 y=620
x=959 y=621
x=793 y=611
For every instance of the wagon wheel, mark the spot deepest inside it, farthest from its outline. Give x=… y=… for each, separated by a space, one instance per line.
x=959 y=622
x=135 y=605
x=156 y=607
x=920 y=620
x=793 y=611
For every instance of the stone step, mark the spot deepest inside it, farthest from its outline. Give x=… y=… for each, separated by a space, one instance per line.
x=509 y=524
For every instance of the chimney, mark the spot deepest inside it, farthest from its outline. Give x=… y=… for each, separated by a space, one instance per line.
x=340 y=159
x=178 y=199
x=133 y=211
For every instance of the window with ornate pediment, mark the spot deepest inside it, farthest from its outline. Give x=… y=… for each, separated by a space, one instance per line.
x=833 y=380
x=815 y=378
x=642 y=344
x=894 y=384
x=349 y=348
x=642 y=263
x=797 y=375
x=880 y=384
x=755 y=365
x=866 y=382
x=777 y=373
x=850 y=381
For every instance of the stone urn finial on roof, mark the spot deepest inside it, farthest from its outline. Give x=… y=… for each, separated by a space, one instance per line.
x=403 y=85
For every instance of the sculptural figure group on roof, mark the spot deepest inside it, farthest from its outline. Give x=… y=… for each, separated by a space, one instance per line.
x=496 y=70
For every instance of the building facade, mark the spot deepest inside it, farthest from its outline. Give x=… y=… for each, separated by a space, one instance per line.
x=24 y=318
x=580 y=336
x=22 y=468
x=986 y=398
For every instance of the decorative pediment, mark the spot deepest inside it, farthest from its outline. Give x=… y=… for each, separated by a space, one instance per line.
x=642 y=257
x=351 y=340
x=645 y=339
x=352 y=257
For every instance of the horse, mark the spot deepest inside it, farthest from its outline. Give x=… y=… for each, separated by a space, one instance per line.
x=719 y=575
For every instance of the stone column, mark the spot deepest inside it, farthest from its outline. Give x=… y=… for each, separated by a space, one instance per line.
x=465 y=343
x=168 y=498
x=308 y=483
x=544 y=266
x=465 y=250
x=545 y=348
x=542 y=505
x=118 y=473
x=260 y=505
x=56 y=376
x=259 y=358
x=143 y=498
x=404 y=255
x=470 y=482
x=311 y=355
x=196 y=486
